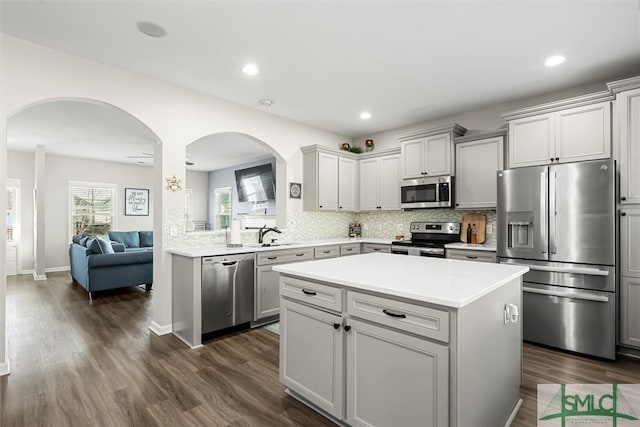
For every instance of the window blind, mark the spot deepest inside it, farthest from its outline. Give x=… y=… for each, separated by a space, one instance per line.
x=92 y=209
x=11 y=213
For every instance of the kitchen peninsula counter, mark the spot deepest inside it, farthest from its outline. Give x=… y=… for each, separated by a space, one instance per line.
x=382 y=339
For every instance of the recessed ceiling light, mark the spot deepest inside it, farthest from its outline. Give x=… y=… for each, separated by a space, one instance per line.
x=554 y=60
x=250 y=69
x=151 y=29
x=365 y=115
x=266 y=102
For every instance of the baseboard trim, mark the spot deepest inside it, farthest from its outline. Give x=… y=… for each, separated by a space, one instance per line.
x=57 y=269
x=39 y=277
x=192 y=347
x=4 y=368
x=513 y=413
x=160 y=329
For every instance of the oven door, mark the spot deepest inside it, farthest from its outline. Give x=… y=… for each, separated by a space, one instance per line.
x=417 y=251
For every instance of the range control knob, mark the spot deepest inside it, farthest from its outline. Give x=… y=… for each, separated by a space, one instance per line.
x=451 y=228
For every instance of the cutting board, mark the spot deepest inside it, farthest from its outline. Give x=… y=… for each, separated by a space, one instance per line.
x=480 y=220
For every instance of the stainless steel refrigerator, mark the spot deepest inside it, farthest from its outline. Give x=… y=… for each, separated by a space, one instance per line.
x=559 y=220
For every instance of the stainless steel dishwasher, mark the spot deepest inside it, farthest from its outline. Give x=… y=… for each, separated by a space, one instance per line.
x=227 y=291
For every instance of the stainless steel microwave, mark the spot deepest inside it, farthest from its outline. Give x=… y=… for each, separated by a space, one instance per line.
x=421 y=193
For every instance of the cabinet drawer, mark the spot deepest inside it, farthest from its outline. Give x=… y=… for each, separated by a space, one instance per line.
x=284 y=256
x=350 y=249
x=312 y=293
x=375 y=247
x=471 y=255
x=327 y=251
x=419 y=320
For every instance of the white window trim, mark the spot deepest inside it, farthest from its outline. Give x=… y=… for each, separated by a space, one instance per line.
x=115 y=205
x=17 y=221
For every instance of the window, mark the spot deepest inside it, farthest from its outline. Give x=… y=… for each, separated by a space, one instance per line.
x=93 y=209
x=12 y=213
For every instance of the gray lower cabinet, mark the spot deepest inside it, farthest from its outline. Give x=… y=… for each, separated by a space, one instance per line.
x=267 y=298
x=629 y=313
x=350 y=249
x=375 y=247
x=471 y=255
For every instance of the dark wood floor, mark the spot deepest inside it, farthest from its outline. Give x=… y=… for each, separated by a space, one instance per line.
x=81 y=363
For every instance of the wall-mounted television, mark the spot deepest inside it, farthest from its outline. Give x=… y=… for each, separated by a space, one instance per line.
x=255 y=184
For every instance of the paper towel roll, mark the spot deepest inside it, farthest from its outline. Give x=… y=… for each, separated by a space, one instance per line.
x=235 y=238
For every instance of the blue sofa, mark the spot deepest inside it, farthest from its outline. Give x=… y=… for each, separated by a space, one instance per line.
x=118 y=260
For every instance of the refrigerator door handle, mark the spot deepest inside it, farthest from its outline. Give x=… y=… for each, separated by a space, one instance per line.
x=553 y=179
x=543 y=211
x=576 y=295
x=579 y=270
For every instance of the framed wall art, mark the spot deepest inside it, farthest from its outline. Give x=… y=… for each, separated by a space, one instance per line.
x=136 y=202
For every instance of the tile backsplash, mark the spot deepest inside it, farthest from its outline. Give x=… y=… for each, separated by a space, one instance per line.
x=328 y=225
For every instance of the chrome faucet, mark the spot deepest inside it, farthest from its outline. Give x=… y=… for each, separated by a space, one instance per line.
x=264 y=230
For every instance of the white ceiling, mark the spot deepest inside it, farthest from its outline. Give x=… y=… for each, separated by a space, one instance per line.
x=82 y=129
x=325 y=62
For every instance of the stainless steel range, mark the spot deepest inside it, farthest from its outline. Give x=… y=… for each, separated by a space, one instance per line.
x=428 y=239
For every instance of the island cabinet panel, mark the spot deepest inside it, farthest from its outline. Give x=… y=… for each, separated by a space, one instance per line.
x=327 y=297
x=417 y=319
x=394 y=379
x=311 y=356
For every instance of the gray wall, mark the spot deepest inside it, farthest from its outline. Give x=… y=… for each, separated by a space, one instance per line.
x=226 y=178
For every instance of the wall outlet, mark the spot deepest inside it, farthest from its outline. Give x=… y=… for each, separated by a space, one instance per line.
x=173 y=231
x=399 y=227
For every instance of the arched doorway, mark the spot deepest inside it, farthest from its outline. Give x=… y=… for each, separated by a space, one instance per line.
x=74 y=143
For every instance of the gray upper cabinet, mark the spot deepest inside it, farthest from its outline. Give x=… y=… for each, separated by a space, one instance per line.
x=330 y=179
x=570 y=130
x=478 y=158
x=627 y=136
x=380 y=183
x=428 y=152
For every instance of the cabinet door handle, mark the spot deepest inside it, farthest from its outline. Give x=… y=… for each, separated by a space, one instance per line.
x=300 y=254
x=623 y=214
x=339 y=207
x=308 y=292
x=392 y=314
x=557 y=159
x=347 y=328
x=326 y=252
x=272 y=257
x=348 y=249
x=623 y=198
x=320 y=205
x=471 y=257
x=375 y=249
x=549 y=159
x=336 y=326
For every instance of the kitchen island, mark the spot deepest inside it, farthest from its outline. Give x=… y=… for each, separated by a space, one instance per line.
x=381 y=340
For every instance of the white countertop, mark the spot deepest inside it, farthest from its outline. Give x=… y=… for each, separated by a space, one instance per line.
x=446 y=282
x=472 y=246
x=213 y=250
